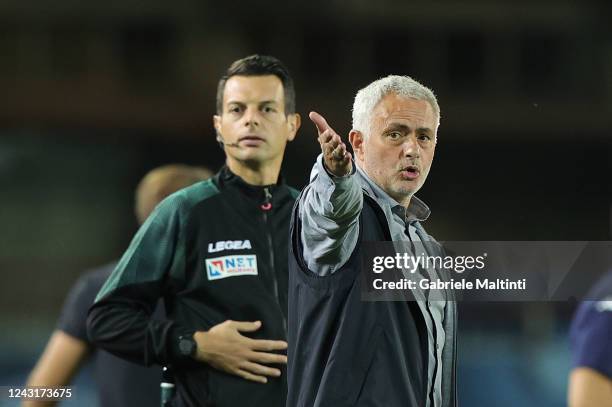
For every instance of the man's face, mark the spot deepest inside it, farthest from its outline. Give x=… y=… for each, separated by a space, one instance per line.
x=399 y=150
x=253 y=124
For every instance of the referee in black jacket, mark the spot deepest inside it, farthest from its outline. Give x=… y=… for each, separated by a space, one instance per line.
x=216 y=252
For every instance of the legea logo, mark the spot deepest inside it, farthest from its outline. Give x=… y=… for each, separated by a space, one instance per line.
x=229 y=245
x=230 y=266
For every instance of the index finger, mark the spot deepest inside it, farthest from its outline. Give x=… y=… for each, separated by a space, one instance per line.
x=267 y=345
x=319 y=121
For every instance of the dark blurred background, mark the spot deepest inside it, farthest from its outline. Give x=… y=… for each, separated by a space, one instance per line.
x=93 y=95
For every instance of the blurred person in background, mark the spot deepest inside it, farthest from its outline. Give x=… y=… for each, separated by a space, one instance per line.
x=590 y=380
x=217 y=253
x=119 y=382
x=344 y=351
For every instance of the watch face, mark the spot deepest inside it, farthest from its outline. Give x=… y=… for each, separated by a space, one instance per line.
x=187 y=346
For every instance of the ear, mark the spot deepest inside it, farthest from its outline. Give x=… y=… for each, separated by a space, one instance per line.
x=294 y=121
x=357 y=140
x=217 y=124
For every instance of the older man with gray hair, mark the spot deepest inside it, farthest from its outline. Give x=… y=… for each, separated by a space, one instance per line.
x=344 y=351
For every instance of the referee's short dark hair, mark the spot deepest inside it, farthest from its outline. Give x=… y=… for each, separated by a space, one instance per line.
x=259 y=65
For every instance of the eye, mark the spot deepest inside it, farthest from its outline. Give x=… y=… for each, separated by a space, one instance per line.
x=424 y=137
x=234 y=109
x=269 y=109
x=394 y=135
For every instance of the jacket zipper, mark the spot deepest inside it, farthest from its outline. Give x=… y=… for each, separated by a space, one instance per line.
x=266 y=207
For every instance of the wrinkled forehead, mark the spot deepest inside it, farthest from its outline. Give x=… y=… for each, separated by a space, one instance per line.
x=395 y=108
x=253 y=89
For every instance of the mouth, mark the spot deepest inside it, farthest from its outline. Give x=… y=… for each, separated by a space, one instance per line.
x=251 y=140
x=250 y=137
x=410 y=172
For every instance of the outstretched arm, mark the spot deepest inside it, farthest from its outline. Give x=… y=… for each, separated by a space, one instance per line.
x=330 y=206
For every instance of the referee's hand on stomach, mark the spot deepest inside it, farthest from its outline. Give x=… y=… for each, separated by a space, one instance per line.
x=225 y=349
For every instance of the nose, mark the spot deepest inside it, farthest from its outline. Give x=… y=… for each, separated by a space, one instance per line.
x=411 y=147
x=251 y=117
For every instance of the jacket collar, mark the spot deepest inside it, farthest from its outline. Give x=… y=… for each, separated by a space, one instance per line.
x=225 y=178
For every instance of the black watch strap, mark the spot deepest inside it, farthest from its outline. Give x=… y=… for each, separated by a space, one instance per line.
x=187 y=345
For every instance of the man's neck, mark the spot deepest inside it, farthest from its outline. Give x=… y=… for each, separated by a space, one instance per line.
x=403 y=201
x=261 y=175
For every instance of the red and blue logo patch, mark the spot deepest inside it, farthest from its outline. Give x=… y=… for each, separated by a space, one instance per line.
x=230 y=266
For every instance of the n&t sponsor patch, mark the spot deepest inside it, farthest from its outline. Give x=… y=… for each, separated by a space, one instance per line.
x=230 y=266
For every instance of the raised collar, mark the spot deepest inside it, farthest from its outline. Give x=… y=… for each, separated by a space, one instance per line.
x=226 y=178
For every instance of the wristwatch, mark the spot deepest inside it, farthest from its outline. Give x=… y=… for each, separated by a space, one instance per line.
x=187 y=345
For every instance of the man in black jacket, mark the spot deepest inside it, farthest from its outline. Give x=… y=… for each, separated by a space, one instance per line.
x=217 y=253
x=344 y=351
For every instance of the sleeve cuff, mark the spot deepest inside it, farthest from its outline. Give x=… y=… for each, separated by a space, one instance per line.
x=175 y=354
x=322 y=169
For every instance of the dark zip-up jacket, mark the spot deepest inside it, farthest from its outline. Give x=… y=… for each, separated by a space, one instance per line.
x=345 y=351
x=214 y=251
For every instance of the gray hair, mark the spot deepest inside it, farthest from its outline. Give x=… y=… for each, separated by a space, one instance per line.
x=368 y=97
